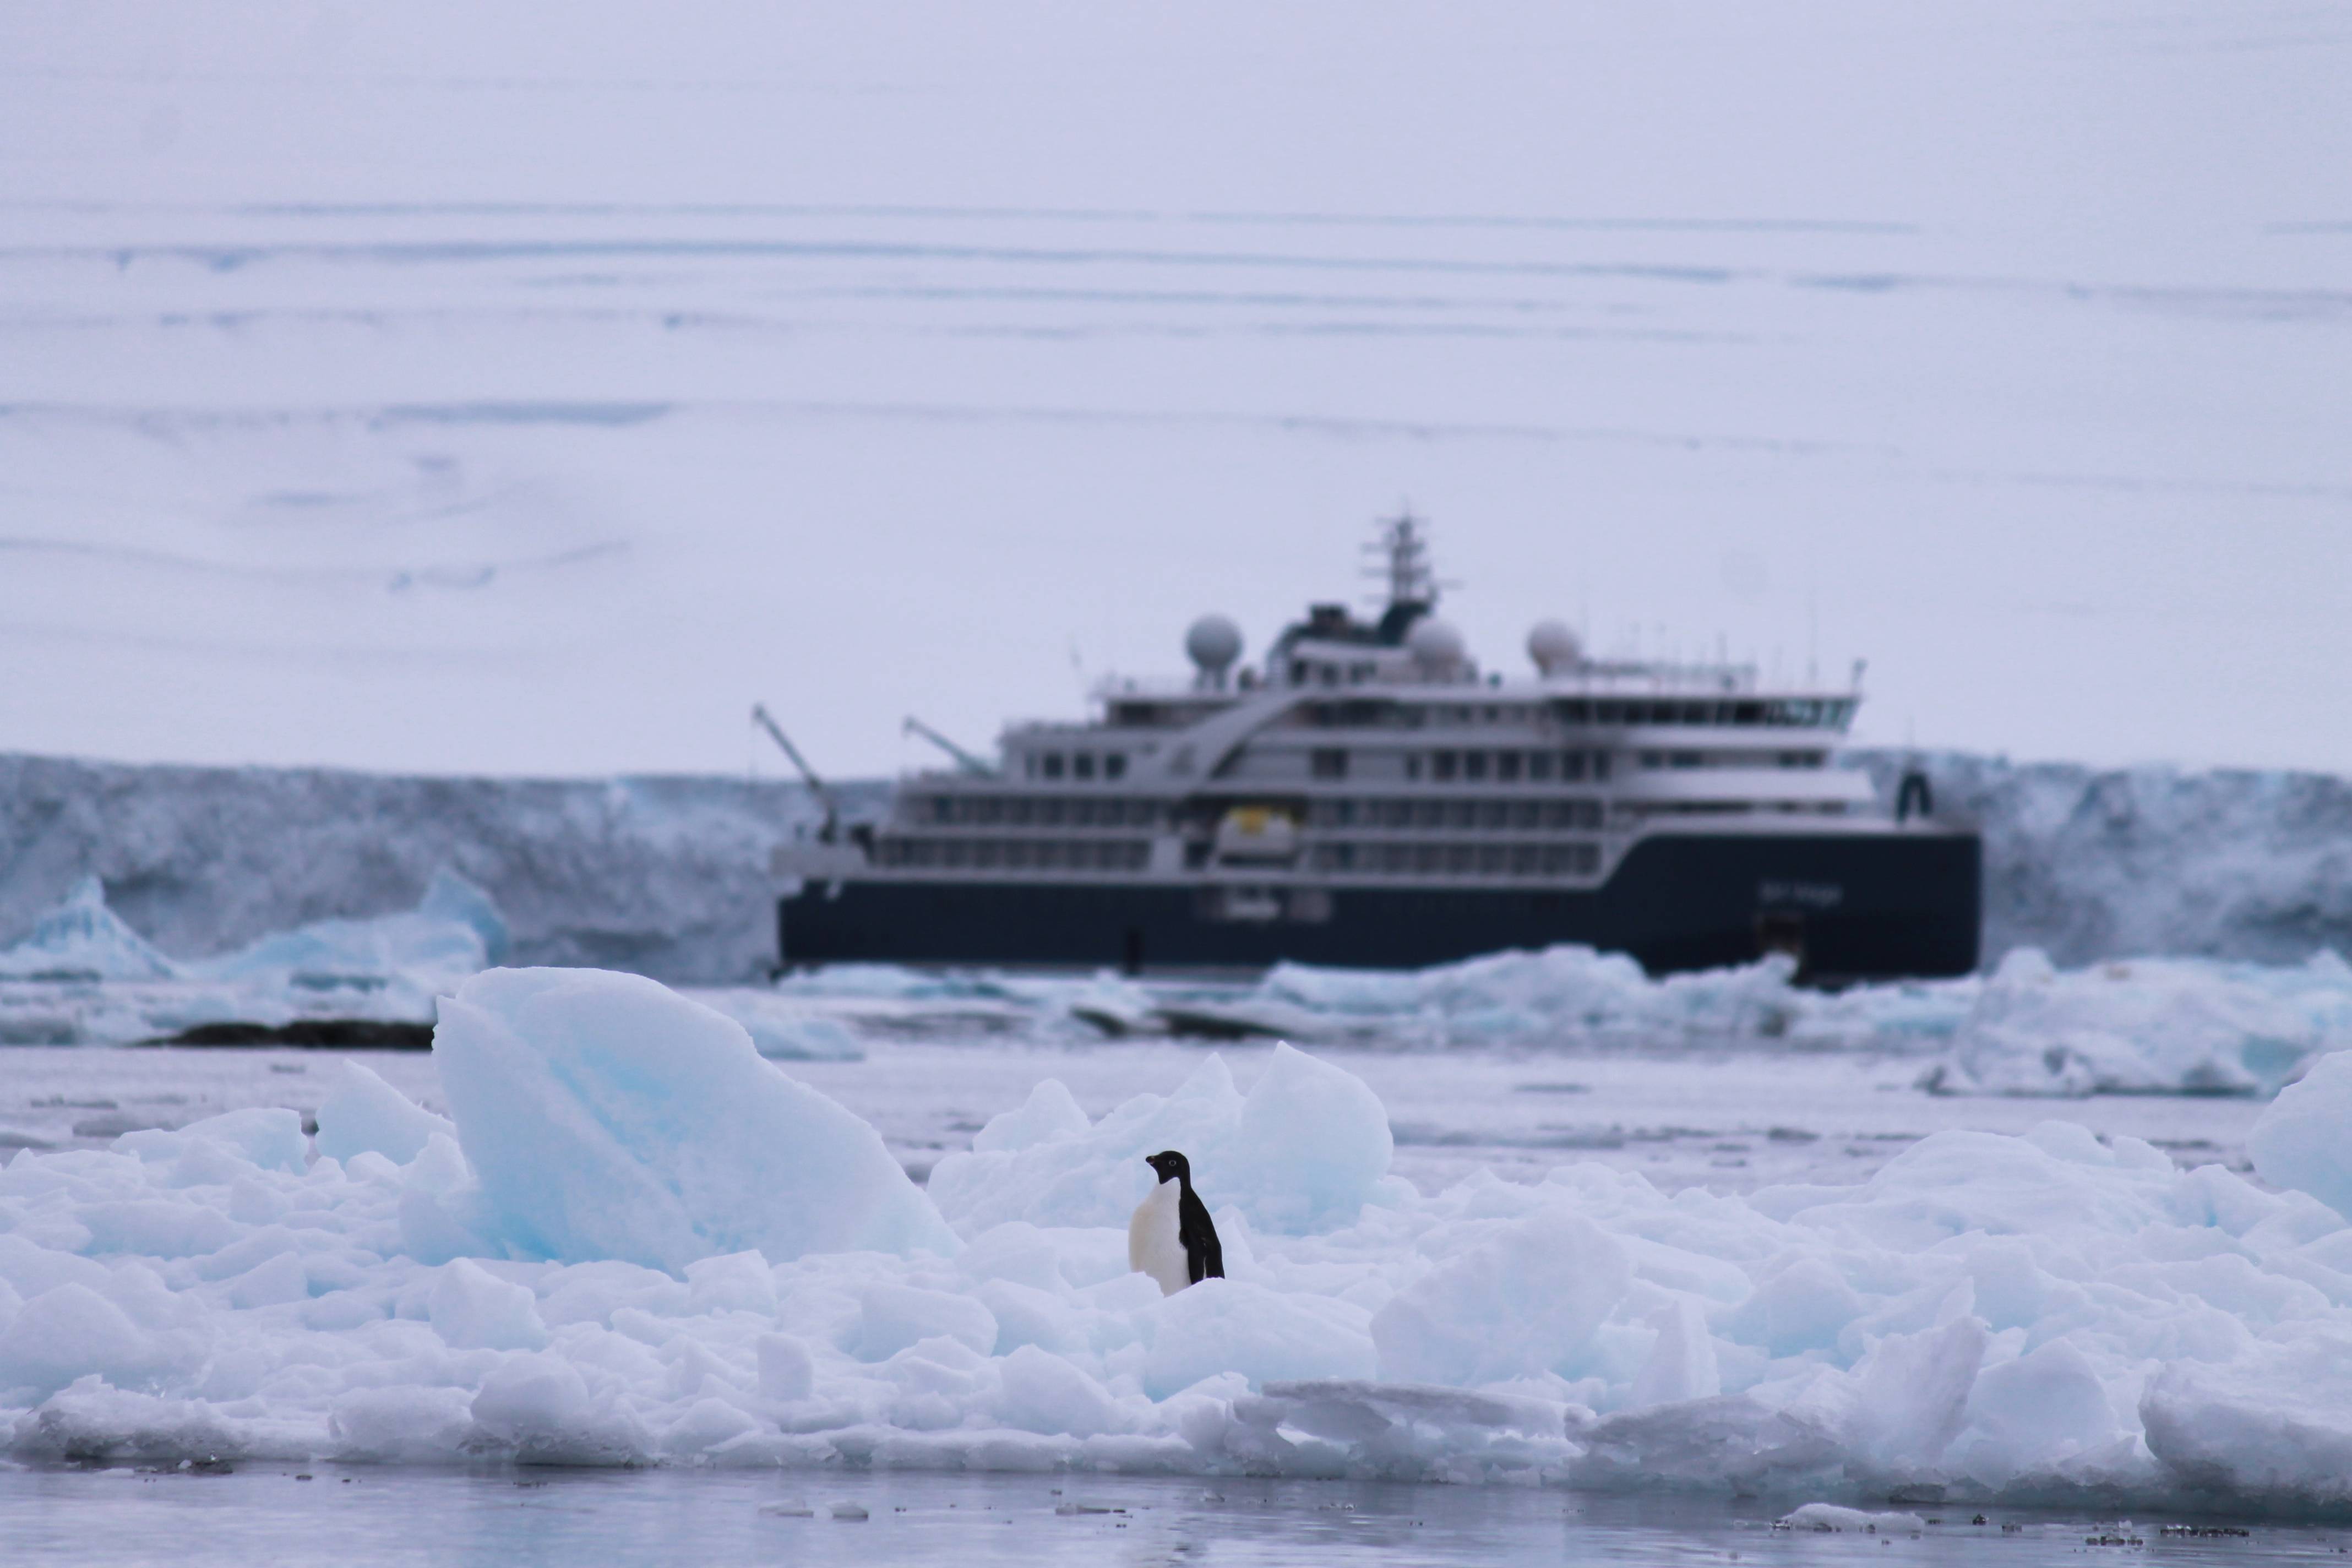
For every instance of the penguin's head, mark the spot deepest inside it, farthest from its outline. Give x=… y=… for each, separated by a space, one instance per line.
x=1171 y=1165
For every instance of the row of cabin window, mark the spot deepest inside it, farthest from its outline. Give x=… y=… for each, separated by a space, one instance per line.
x=1019 y=811
x=1474 y=813
x=1017 y=854
x=1461 y=859
x=1080 y=765
x=1476 y=768
x=1698 y=760
x=1805 y=713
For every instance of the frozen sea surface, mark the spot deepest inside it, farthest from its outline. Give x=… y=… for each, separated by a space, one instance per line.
x=1728 y=1119
x=128 y=1517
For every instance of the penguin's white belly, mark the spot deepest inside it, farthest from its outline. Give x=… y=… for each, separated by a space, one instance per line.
x=1153 y=1244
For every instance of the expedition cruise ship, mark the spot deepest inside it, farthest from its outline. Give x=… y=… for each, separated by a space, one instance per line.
x=1369 y=796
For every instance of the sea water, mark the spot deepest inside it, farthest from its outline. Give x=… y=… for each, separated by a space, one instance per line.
x=285 y=1514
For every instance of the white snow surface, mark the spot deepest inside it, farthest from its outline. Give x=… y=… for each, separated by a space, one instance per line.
x=646 y=1245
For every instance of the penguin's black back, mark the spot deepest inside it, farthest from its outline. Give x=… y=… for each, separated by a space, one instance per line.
x=1204 y=1257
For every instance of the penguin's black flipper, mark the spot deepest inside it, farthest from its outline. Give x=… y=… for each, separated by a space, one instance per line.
x=1204 y=1256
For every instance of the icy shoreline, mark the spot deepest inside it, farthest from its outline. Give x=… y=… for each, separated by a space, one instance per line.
x=637 y=1243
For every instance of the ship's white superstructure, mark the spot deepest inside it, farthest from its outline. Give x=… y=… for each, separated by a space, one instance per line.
x=1360 y=753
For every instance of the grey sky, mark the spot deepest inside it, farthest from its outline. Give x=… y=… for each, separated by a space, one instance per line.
x=425 y=389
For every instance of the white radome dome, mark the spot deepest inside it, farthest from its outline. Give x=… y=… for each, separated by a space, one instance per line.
x=1434 y=644
x=1213 y=642
x=1553 y=647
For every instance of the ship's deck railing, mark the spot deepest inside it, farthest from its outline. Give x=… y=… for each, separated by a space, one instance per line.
x=1598 y=678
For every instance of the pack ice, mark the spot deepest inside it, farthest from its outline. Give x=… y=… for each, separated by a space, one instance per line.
x=83 y=977
x=640 y=1242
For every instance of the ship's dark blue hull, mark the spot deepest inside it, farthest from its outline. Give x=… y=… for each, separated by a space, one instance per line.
x=1851 y=906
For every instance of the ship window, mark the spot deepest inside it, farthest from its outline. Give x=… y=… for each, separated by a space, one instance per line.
x=1507 y=767
x=1049 y=813
x=1461 y=814
x=953 y=851
x=1029 y=764
x=1697 y=712
x=1429 y=858
x=983 y=853
x=1412 y=764
x=1572 y=765
x=1587 y=859
x=1687 y=759
x=1607 y=712
x=1473 y=764
x=1328 y=762
x=1441 y=765
x=1016 y=812
x=1460 y=856
x=1557 y=813
x=1053 y=765
x=1428 y=812
x=1115 y=766
x=1523 y=859
x=1083 y=764
x=1599 y=764
x=1654 y=759
x=942 y=809
x=1577 y=712
x=1494 y=813
x=1018 y=853
x=1525 y=813
x=1297 y=672
x=1538 y=766
x=1082 y=814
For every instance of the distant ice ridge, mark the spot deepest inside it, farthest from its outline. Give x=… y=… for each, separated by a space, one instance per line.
x=635 y=1242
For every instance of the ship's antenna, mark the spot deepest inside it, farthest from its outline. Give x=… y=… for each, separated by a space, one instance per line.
x=1405 y=550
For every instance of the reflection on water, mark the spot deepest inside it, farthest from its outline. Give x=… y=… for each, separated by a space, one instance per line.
x=279 y=1513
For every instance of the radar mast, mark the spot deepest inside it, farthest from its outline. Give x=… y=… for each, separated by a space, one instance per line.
x=1410 y=579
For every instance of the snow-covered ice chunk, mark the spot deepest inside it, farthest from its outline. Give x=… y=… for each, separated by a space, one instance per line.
x=1523 y=1300
x=1828 y=1516
x=82 y=940
x=781 y=1030
x=364 y=1113
x=2305 y=1139
x=454 y=932
x=1222 y=1326
x=606 y=1116
x=2142 y=1025
x=1306 y=1148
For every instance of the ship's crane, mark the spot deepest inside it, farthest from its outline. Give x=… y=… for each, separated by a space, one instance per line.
x=964 y=759
x=831 y=831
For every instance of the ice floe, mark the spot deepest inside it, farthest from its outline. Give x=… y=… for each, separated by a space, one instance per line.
x=638 y=1242
x=85 y=977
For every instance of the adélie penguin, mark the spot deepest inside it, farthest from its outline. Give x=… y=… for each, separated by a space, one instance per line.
x=1170 y=1237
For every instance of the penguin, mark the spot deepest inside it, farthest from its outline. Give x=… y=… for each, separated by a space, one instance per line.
x=1170 y=1237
